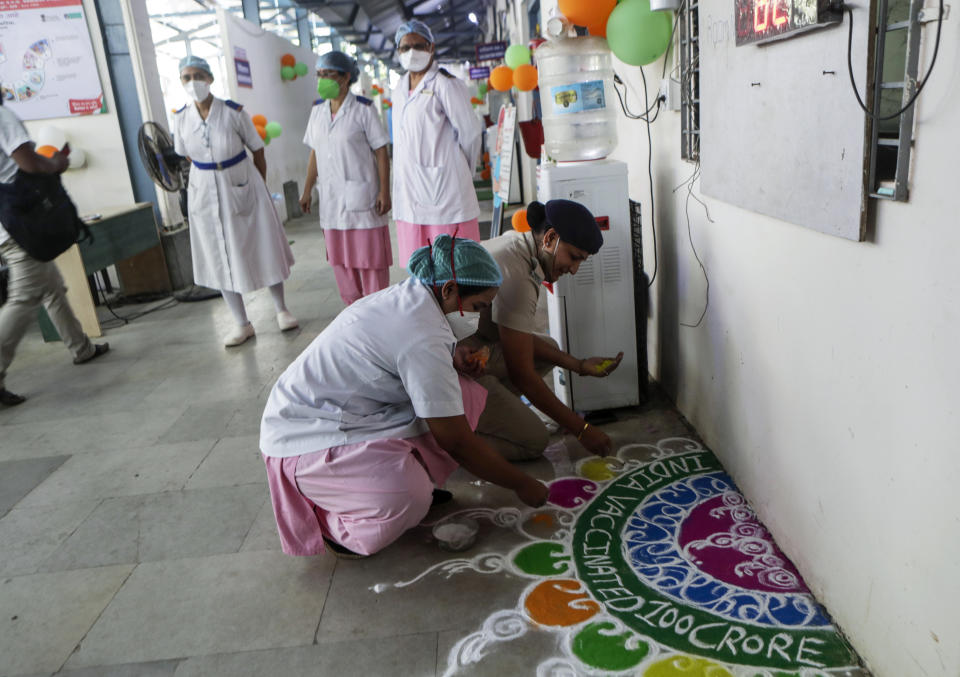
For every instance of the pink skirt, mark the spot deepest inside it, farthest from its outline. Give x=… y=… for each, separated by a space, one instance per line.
x=412 y=236
x=360 y=248
x=371 y=491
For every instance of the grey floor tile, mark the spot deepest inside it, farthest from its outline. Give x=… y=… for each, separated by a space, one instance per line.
x=520 y=655
x=436 y=603
x=18 y=478
x=28 y=536
x=109 y=431
x=45 y=615
x=152 y=669
x=207 y=420
x=169 y=525
x=263 y=534
x=233 y=461
x=407 y=655
x=218 y=604
x=122 y=472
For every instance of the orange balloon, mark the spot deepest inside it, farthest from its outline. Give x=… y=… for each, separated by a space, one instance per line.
x=289 y=60
x=525 y=77
x=501 y=78
x=261 y=130
x=259 y=120
x=599 y=30
x=485 y=174
x=587 y=12
x=519 y=221
x=47 y=151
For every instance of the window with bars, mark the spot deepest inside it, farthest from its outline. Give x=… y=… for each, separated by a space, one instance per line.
x=689 y=19
x=895 y=68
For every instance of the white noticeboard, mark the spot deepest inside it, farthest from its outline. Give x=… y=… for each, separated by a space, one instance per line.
x=47 y=65
x=781 y=133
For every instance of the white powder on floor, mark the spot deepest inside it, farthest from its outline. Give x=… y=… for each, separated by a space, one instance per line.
x=453 y=533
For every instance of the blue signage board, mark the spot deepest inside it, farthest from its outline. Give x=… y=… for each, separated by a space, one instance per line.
x=480 y=73
x=491 y=51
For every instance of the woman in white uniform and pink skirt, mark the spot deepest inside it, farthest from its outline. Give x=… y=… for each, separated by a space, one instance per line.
x=380 y=409
x=436 y=144
x=350 y=166
x=237 y=241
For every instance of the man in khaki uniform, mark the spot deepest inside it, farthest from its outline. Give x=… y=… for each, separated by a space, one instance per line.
x=562 y=235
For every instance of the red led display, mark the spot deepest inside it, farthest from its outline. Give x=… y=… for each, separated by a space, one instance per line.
x=765 y=20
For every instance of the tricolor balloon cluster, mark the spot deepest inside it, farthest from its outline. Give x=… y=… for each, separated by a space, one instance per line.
x=290 y=69
x=377 y=90
x=485 y=172
x=516 y=71
x=636 y=35
x=482 y=88
x=266 y=130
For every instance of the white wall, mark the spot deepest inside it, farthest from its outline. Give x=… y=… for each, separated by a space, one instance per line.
x=825 y=375
x=288 y=103
x=104 y=181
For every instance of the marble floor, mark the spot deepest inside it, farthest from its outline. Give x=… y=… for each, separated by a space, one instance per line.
x=137 y=536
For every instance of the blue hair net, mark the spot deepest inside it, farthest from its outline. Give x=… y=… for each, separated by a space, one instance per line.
x=196 y=62
x=338 y=61
x=414 y=26
x=470 y=265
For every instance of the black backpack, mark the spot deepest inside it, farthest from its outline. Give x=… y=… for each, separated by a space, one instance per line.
x=39 y=215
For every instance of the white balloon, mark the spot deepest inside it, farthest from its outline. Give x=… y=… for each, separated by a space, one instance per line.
x=77 y=158
x=51 y=136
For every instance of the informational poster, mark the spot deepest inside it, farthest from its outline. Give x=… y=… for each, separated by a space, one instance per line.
x=244 y=76
x=503 y=164
x=47 y=65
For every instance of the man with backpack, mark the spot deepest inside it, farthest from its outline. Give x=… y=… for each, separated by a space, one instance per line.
x=32 y=282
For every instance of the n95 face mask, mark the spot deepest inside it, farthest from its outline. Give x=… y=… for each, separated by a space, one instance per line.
x=198 y=90
x=415 y=60
x=463 y=324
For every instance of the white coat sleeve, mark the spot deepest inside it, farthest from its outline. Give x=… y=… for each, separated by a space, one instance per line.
x=243 y=123
x=455 y=99
x=179 y=145
x=426 y=370
x=376 y=135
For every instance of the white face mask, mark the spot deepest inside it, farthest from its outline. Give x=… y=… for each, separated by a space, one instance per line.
x=415 y=60
x=198 y=90
x=463 y=325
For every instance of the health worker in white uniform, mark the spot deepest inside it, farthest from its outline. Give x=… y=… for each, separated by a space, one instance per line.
x=376 y=411
x=436 y=144
x=350 y=166
x=238 y=242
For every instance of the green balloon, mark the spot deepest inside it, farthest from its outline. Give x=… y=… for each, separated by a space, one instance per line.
x=482 y=88
x=266 y=141
x=287 y=73
x=300 y=69
x=517 y=55
x=327 y=88
x=273 y=130
x=636 y=35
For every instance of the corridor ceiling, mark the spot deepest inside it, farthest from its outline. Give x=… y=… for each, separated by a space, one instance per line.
x=371 y=24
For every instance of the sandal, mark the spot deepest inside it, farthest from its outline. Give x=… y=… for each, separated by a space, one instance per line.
x=341 y=552
x=9 y=399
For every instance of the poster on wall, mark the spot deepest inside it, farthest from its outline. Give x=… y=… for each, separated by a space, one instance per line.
x=503 y=164
x=47 y=65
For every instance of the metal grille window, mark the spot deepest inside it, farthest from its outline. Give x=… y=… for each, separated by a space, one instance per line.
x=896 y=62
x=689 y=20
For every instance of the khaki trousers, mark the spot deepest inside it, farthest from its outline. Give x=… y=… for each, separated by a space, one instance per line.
x=34 y=282
x=507 y=424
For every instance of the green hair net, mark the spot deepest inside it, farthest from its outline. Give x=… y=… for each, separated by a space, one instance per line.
x=471 y=264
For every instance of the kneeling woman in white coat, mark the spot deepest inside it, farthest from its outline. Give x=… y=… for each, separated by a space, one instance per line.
x=373 y=414
x=238 y=242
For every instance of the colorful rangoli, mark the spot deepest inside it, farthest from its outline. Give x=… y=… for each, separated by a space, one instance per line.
x=652 y=563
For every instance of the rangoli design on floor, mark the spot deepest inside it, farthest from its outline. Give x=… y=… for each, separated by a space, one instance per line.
x=651 y=563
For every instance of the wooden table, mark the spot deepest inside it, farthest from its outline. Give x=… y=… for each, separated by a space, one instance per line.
x=121 y=234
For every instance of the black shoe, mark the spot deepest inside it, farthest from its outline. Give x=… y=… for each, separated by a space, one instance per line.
x=9 y=399
x=341 y=552
x=441 y=496
x=98 y=350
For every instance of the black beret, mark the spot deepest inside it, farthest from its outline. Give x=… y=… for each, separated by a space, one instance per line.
x=575 y=224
